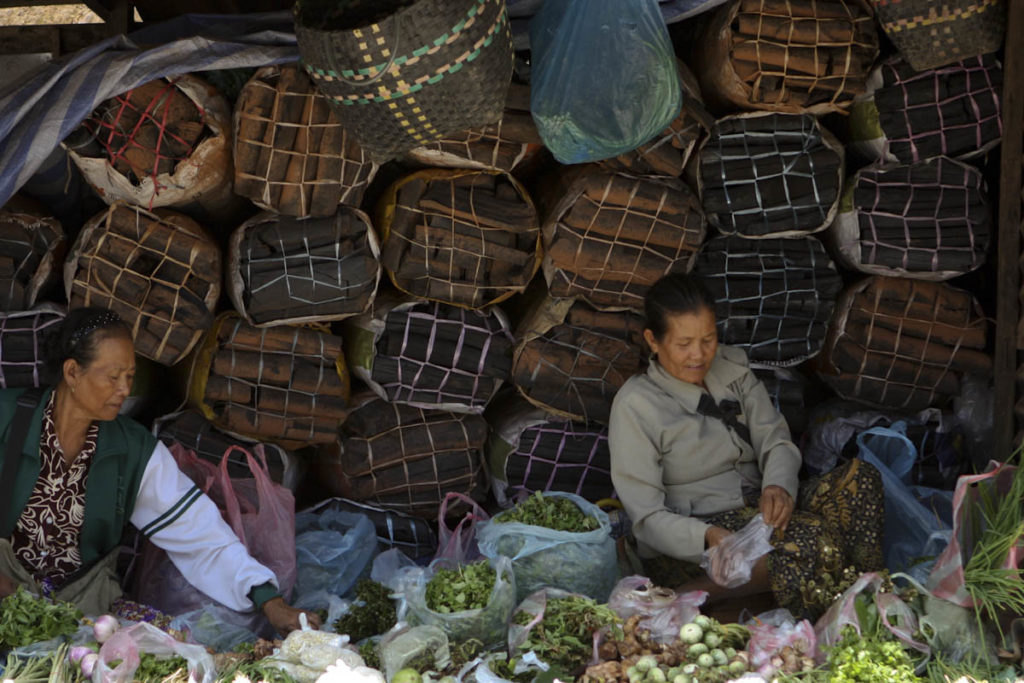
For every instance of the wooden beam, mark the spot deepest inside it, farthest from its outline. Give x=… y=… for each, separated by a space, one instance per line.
x=56 y=39
x=1008 y=307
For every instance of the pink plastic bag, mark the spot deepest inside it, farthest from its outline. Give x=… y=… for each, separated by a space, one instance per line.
x=459 y=544
x=664 y=611
x=730 y=563
x=126 y=645
x=771 y=632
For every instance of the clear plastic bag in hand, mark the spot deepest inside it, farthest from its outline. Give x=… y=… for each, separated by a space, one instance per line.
x=730 y=563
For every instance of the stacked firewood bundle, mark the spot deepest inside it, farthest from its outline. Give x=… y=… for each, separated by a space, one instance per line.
x=788 y=391
x=22 y=345
x=532 y=450
x=571 y=359
x=787 y=55
x=414 y=536
x=431 y=355
x=291 y=153
x=502 y=145
x=774 y=296
x=770 y=175
x=193 y=431
x=284 y=384
x=462 y=237
x=30 y=245
x=609 y=236
x=160 y=271
x=291 y=270
x=899 y=343
x=405 y=458
x=928 y=220
x=952 y=111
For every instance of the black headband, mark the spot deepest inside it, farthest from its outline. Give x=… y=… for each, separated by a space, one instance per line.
x=94 y=323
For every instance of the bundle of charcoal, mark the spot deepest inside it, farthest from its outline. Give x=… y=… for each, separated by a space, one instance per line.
x=160 y=271
x=571 y=359
x=609 y=236
x=788 y=391
x=929 y=220
x=786 y=55
x=405 y=458
x=469 y=238
x=431 y=355
x=502 y=145
x=770 y=175
x=31 y=245
x=193 y=431
x=898 y=343
x=530 y=450
x=165 y=143
x=284 y=384
x=292 y=154
x=910 y=115
x=414 y=536
x=22 y=345
x=775 y=296
x=296 y=270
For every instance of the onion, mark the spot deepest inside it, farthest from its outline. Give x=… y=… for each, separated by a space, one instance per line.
x=104 y=627
x=77 y=652
x=88 y=664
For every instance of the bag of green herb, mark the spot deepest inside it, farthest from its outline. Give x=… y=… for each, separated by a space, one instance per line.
x=554 y=539
x=952 y=632
x=419 y=647
x=144 y=645
x=466 y=601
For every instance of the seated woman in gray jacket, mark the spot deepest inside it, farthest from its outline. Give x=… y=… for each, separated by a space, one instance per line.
x=698 y=449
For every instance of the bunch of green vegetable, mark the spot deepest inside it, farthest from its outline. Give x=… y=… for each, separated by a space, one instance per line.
x=868 y=658
x=563 y=638
x=53 y=667
x=25 y=619
x=371 y=614
x=153 y=669
x=463 y=588
x=550 y=512
x=255 y=672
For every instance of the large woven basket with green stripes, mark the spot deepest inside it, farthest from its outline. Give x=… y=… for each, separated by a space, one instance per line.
x=932 y=33
x=402 y=73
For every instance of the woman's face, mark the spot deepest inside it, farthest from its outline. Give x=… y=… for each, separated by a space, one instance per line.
x=688 y=345
x=102 y=386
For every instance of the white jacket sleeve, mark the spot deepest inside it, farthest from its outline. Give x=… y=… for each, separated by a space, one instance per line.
x=175 y=515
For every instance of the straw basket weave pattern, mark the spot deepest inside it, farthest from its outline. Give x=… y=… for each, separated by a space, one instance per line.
x=932 y=33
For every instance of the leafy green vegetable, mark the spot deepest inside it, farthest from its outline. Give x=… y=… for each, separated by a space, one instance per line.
x=551 y=512
x=25 y=619
x=868 y=659
x=153 y=669
x=256 y=672
x=464 y=588
x=564 y=636
x=368 y=651
x=373 y=612
x=53 y=667
x=503 y=668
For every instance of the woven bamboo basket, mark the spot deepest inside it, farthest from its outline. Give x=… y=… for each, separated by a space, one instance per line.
x=770 y=175
x=786 y=55
x=904 y=344
x=609 y=236
x=160 y=271
x=164 y=143
x=22 y=343
x=299 y=270
x=405 y=458
x=414 y=536
x=193 y=431
x=930 y=220
x=284 y=384
x=403 y=73
x=31 y=248
x=501 y=146
x=787 y=389
x=571 y=359
x=468 y=238
x=531 y=450
x=774 y=296
x=909 y=116
x=931 y=33
x=430 y=355
x=291 y=153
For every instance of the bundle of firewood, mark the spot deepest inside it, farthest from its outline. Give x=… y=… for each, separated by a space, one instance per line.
x=160 y=271
x=502 y=145
x=22 y=343
x=414 y=536
x=295 y=270
x=609 y=236
x=429 y=354
x=787 y=55
x=284 y=384
x=292 y=155
x=898 y=343
x=929 y=220
x=788 y=391
x=531 y=450
x=770 y=175
x=571 y=359
x=193 y=431
x=31 y=244
x=467 y=238
x=774 y=296
x=405 y=458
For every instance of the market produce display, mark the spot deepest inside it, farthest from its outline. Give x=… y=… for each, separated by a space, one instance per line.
x=26 y=619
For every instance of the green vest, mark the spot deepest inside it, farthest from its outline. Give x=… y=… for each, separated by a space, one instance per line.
x=123 y=448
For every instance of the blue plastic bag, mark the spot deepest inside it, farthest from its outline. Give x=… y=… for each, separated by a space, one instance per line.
x=333 y=549
x=604 y=77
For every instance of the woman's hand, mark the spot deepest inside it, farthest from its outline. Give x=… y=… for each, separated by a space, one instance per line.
x=285 y=618
x=776 y=506
x=714 y=535
x=8 y=586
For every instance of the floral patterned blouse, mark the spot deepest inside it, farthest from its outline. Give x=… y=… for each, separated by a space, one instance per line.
x=45 y=539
